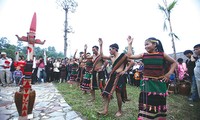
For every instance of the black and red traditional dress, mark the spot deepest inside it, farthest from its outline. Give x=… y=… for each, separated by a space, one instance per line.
x=86 y=84
x=152 y=98
x=74 y=72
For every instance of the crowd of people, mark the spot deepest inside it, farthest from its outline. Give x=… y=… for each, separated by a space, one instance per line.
x=151 y=71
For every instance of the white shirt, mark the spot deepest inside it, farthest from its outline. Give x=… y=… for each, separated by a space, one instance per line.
x=136 y=66
x=5 y=63
x=197 y=70
x=56 y=66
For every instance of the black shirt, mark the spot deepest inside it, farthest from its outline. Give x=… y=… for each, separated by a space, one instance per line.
x=190 y=66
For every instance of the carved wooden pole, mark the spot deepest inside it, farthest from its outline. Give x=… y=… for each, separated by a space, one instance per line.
x=25 y=97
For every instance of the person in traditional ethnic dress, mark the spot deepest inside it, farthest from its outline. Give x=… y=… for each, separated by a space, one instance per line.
x=85 y=86
x=98 y=74
x=74 y=71
x=117 y=77
x=81 y=67
x=152 y=98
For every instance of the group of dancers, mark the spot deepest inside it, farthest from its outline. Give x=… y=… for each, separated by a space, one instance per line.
x=91 y=76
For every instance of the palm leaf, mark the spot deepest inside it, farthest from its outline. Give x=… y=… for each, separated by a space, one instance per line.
x=171 y=6
x=161 y=7
x=171 y=34
x=176 y=36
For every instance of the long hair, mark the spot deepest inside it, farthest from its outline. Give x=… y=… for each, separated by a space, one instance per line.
x=159 y=46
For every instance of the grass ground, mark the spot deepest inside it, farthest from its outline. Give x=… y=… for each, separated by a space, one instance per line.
x=178 y=106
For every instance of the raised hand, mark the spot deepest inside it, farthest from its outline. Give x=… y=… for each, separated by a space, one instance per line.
x=85 y=46
x=130 y=39
x=100 y=41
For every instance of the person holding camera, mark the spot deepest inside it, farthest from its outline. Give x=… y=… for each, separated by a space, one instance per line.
x=41 y=74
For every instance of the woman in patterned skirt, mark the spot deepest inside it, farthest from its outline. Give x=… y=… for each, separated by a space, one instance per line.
x=152 y=98
x=74 y=71
x=85 y=86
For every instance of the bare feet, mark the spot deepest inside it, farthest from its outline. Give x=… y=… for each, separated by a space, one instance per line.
x=104 y=113
x=118 y=114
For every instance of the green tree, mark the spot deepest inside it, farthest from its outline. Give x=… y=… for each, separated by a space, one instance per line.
x=51 y=51
x=3 y=42
x=9 y=49
x=19 y=46
x=23 y=51
x=38 y=52
x=6 y=47
x=60 y=55
x=167 y=9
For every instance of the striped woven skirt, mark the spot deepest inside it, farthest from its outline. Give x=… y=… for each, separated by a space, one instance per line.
x=152 y=100
x=85 y=86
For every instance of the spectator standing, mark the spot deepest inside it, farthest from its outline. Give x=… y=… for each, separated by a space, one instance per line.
x=69 y=68
x=63 y=72
x=18 y=75
x=12 y=69
x=56 y=70
x=5 y=64
x=34 y=72
x=136 y=75
x=182 y=69
x=49 y=70
x=190 y=63
x=197 y=67
x=41 y=74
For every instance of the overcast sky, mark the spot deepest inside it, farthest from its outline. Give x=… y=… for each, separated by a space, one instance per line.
x=112 y=20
